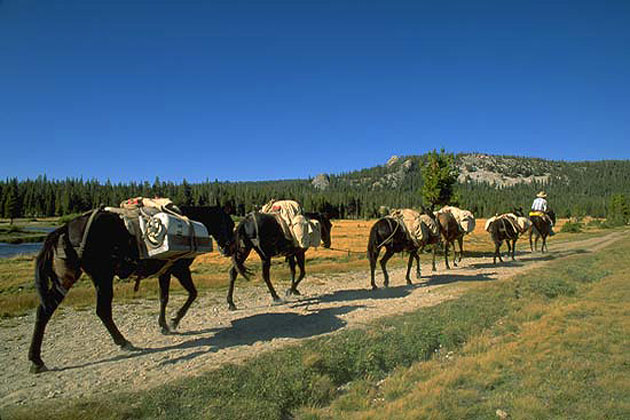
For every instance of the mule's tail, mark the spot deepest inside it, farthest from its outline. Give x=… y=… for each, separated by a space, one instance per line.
x=44 y=274
x=239 y=238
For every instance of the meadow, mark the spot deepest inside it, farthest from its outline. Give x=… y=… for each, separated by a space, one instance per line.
x=545 y=344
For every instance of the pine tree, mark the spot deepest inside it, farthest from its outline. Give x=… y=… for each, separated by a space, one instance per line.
x=12 y=204
x=440 y=176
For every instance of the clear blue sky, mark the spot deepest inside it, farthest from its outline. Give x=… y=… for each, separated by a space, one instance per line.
x=251 y=90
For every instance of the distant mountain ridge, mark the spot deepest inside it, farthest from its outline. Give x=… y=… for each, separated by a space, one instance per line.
x=496 y=170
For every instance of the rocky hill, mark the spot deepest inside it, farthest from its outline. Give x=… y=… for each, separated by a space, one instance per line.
x=497 y=171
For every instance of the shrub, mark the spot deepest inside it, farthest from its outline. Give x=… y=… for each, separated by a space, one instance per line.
x=572 y=227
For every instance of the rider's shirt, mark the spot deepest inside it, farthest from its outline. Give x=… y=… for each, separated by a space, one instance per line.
x=539 y=204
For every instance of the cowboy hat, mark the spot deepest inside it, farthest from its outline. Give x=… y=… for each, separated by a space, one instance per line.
x=541 y=194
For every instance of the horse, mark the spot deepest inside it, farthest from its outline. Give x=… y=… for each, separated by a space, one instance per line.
x=501 y=230
x=390 y=232
x=99 y=244
x=452 y=231
x=541 y=227
x=263 y=233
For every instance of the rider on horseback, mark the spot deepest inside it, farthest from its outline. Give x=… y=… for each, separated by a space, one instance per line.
x=540 y=208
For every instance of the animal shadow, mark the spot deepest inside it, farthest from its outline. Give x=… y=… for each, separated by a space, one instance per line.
x=359 y=294
x=438 y=279
x=264 y=327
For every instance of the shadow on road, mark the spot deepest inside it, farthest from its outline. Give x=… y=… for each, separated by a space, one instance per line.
x=438 y=279
x=245 y=331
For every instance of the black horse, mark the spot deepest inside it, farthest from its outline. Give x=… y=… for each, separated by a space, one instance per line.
x=103 y=250
x=262 y=233
x=541 y=227
x=390 y=233
x=501 y=230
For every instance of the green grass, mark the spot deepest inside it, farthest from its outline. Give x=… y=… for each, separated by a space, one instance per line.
x=561 y=351
x=550 y=344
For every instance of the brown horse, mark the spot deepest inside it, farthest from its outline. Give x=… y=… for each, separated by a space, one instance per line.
x=98 y=244
x=262 y=233
x=391 y=234
x=541 y=228
x=504 y=229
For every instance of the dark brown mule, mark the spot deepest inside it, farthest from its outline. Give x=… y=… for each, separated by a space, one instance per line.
x=390 y=233
x=262 y=233
x=501 y=230
x=541 y=228
x=98 y=244
x=451 y=232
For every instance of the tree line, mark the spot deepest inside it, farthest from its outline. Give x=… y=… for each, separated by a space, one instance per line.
x=574 y=189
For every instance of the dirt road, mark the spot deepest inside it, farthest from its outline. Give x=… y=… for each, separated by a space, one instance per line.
x=84 y=361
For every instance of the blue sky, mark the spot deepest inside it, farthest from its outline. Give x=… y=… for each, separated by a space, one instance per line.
x=252 y=90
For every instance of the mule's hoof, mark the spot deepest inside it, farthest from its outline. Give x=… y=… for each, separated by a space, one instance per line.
x=37 y=368
x=291 y=292
x=374 y=287
x=173 y=325
x=129 y=347
x=231 y=307
x=165 y=330
x=409 y=283
x=277 y=301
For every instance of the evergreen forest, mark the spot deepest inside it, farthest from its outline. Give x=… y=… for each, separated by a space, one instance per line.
x=574 y=189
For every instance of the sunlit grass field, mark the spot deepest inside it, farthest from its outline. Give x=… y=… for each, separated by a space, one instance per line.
x=210 y=271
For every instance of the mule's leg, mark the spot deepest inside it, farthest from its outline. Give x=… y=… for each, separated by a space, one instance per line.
x=434 y=252
x=373 y=256
x=513 y=249
x=104 y=296
x=497 y=251
x=418 y=270
x=409 y=265
x=230 y=295
x=388 y=254
x=531 y=244
x=460 y=242
x=300 y=257
x=291 y=261
x=543 y=247
x=448 y=267
x=266 y=267
x=60 y=272
x=185 y=279
x=454 y=242
x=240 y=257
x=165 y=282
x=41 y=320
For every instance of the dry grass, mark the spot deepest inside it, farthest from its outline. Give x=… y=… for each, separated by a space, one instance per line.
x=560 y=357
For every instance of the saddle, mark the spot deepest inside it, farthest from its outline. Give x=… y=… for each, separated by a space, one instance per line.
x=160 y=229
